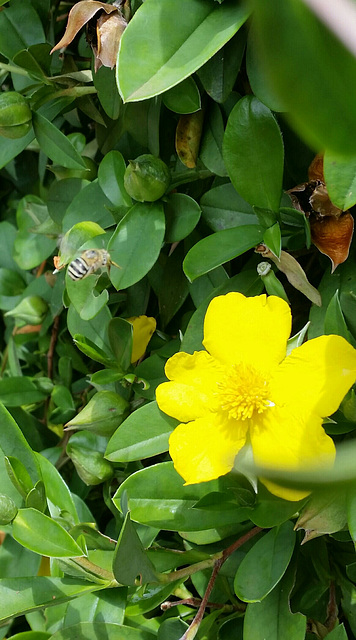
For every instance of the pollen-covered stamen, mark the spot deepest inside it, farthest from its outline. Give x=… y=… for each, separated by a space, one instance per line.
x=242 y=392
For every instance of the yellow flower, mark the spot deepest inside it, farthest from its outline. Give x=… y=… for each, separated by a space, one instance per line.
x=243 y=389
x=143 y=328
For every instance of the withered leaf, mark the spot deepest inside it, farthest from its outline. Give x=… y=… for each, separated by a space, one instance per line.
x=109 y=29
x=332 y=236
x=294 y=273
x=78 y=16
x=316 y=168
x=188 y=134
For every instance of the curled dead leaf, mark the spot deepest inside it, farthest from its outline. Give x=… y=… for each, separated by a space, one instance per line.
x=293 y=271
x=332 y=236
x=104 y=35
x=188 y=134
x=331 y=228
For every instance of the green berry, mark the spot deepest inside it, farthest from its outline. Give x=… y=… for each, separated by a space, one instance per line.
x=147 y=178
x=15 y=115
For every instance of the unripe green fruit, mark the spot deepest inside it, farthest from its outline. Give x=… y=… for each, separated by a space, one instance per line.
x=147 y=178
x=15 y=115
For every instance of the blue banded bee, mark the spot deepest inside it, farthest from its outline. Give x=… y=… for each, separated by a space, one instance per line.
x=88 y=262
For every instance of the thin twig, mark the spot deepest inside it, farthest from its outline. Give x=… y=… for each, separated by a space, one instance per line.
x=196 y=602
x=52 y=345
x=194 y=626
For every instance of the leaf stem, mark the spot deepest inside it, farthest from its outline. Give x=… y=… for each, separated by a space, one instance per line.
x=12 y=69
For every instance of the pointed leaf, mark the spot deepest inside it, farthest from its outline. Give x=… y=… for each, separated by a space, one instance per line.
x=45 y=536
x=55 y=144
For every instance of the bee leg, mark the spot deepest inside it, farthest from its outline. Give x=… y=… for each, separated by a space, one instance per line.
x=115 y=264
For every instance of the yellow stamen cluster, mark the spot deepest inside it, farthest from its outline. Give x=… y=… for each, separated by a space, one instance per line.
x=243 y=392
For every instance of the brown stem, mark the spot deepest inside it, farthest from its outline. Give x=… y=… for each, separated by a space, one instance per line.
x=194 y=626
x=52 y=345
x=332 y=610
x=41 y=269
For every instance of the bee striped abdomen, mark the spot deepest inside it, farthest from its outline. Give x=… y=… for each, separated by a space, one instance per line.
x=78 y=269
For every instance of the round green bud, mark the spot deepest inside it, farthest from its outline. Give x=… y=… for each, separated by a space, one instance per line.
x=8 y=509
x=147 y=178
x=15 y=115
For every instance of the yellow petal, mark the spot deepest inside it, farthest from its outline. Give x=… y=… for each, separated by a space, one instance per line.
x=143 y=328
x=191 y=394
x=249 y=330
x=316 y=376
x=282 y=440
x=205 y=449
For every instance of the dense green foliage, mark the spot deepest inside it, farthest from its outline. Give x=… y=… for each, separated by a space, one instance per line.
x=235 y=98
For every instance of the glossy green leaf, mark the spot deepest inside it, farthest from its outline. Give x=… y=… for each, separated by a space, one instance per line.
x=19 y=391
x=13 y=443
x=156 y=497
x=273 y=240
x=219 y=73
x=129 y=247
x=338 y=633
x=223 y=208
x=334 y=321
x=45 y=536
x=183 y=98
x=120 y=334
x=95 y=630
x=253 y=153
x=111 y=179
x=173 y=286
x=55 y=144
x=85 y=449
x=82 y=296
x=13 y=37
x=182 y=215
x=60 y=195
x=340 y=178
x=211 y=145
x=89 y=204
x=143 y=434
x=219 y=248
x=59 y=497
x=265 y=564
x=293 y=43
x=18 y=475
x=76 y=237
x=130 y=560
x=104 y=82
x=182 y=50
x=274 y=613
x=107 y=604
x=22 y=595
x=95 y=329
x=141 y=603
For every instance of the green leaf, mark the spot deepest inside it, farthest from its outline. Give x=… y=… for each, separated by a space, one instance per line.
x=107 y=630
x=253 y=153
x=107 y=604
x=120 y=334
x=76 y=237
x=81 y=294
x=293 y=44
x=265 y=564
x=109 y=97
x=338 y=633
x=13 y=37
x=130 y=560
x=273 y=240
x=59 y=497
x=183 y=98
x=340 y=178
x=18 y=391
x=13 y=443
x=182 y=215
x=41 y=534
x=274 y=613
x=22 y=595
x=55 y=144
x=129 y=246
x=218 y=74
x=86 y=449
x=223 y=208
x=143 y=434
x=211 y=145
x=219 y=248
x=111 y=179
x=183 y=49
x=95 y=330
x=334 y=321
x=156 y=497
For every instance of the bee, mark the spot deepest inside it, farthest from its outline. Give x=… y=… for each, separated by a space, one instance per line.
x=88 y=262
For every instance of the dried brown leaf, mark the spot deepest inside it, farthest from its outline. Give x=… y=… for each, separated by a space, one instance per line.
x=78 y=16
x=188 y=134
x=332 y=236
x=109 y=29
x=295 y=274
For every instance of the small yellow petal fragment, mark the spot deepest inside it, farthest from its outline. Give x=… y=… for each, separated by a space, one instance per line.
x=143 y=329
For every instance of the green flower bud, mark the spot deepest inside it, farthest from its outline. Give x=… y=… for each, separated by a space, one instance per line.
x=102 y=415
x=30 y=310
x=84 y=450
x=8 y=509
x=147 y=178
x=15 y=115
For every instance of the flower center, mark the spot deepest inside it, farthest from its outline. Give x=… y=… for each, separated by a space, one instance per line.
x=242 y=392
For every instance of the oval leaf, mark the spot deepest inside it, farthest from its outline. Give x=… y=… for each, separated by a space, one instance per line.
x=41 y=534
x=55 y=144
